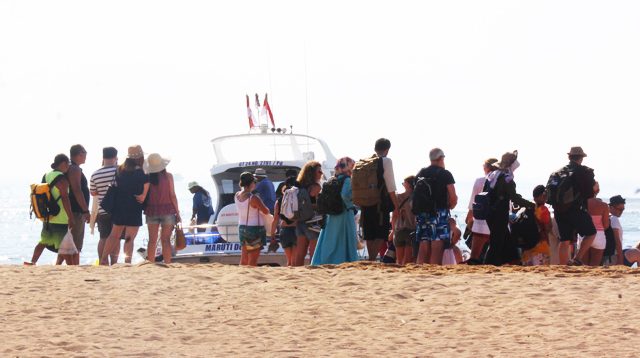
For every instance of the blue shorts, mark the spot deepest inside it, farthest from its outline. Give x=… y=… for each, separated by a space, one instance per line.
x=433 y=227
x=302 y=229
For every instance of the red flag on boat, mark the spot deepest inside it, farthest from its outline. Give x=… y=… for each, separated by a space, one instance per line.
x=266 y=106
x=250 y=114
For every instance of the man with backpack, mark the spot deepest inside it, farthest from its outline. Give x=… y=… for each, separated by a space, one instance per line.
x=569 y=189
x=374 y=191
x=434 y=196
x=56 y=221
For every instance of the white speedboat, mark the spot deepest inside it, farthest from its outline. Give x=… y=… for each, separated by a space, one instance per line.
x=275 y=152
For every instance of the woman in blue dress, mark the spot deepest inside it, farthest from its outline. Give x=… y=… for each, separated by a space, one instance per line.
x=337 y=242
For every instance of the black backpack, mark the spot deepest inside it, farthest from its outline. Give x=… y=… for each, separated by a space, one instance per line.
x=330 y=198
x=524 y=229
x=483 y=203
x=423 y=197
x=561 y=191
x=610 y=247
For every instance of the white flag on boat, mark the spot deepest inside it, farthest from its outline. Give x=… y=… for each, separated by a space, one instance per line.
x=252 y=122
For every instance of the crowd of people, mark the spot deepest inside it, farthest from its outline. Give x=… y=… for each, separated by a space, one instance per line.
x=401 y=227
x=136 y=186
x=573 y=234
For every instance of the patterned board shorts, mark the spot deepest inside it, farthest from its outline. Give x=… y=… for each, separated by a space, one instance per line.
x=433 y=227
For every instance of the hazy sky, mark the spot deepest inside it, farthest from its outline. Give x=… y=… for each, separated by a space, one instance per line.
x=476 y=78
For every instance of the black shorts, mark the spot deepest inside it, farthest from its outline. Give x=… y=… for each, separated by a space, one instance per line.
x=375 y=225
x=574 y=221
x=104 y=225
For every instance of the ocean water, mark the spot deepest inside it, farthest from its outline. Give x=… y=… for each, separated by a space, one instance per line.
x=19 y=234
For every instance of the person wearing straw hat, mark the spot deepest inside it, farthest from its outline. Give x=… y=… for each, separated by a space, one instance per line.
x=161 y=210
x=202 y=208
x=132 y=187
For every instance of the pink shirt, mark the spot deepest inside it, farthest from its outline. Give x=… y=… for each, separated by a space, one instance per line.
x=159 y=201
x=597 y=222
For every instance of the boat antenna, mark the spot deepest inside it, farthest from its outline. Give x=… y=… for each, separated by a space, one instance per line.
x=306 y=90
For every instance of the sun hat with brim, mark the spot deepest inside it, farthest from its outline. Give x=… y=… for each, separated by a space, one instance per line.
x=135 y=152
x=155 y=163
x=192 y=185
x=260 y=173
x=577 y=151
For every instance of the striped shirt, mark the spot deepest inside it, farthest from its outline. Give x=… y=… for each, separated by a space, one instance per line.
x=100 y=181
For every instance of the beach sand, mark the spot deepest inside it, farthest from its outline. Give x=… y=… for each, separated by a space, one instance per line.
x=355 y=310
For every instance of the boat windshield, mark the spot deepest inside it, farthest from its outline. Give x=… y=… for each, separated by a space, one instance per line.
x=268 y=147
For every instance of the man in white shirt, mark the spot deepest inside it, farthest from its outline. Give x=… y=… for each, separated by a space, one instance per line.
x=100 y=181
x=616 y=207
x=376 y=221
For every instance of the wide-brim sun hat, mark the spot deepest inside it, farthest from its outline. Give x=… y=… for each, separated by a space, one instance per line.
x=260 y=173
x=155 y=163
x=192 y=185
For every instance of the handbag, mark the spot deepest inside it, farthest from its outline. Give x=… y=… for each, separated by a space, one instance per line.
x=108 y=202
x=181 y=243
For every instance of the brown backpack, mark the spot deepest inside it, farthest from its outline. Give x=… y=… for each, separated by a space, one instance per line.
x=365 y=184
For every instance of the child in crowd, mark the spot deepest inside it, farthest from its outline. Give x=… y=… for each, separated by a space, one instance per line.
x=540 y=254
x=456 y=233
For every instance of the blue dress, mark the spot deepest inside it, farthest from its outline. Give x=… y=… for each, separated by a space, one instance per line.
x=337 y=242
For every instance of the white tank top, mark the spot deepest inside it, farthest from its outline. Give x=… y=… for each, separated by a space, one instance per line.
x=252 y=218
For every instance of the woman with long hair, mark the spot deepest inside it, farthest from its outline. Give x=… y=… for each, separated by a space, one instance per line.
x=287 y=228
x=251 y=228
x=479 y=228
x=599 y=211
x=132 y=187
x=337 y=242
x=162 y=207
x=404 y=224
x=309 y=179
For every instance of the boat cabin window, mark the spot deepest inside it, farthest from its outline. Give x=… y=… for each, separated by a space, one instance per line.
x=227 y=186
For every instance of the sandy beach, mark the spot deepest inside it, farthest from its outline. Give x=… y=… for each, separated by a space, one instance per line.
x=357 y=310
